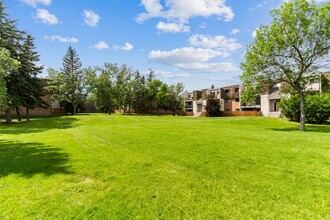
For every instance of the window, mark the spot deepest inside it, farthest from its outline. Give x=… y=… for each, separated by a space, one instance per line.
x=312 y=81
x=227 y=91
x=218 y=92
x=237 y=100
x=228 y=101
x=237 y=109
x=236 y=89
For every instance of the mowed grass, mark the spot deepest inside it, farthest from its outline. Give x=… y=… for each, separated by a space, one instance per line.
x=98 y=166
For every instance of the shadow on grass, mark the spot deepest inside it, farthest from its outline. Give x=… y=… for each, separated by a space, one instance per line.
x=28 y=159
x=309 y=128
x=38 y=125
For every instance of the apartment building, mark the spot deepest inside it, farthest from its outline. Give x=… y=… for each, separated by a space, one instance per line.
x=271 y=98
x=229 y=97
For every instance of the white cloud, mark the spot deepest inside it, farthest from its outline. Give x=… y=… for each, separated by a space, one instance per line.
x=34 y=3
x=209 y=67
x=101 y=45
x=91 y=18
x=173 y=27
x=254 y=33
x=170 y=75
x=184 y=55
x=220 y=42
x=45 y=17
x=181 y=11
x=192 y=59
x=126 y=47
x=235 y=31
x=61 y=39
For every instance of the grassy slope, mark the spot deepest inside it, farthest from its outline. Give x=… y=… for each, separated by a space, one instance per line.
x=117 y=167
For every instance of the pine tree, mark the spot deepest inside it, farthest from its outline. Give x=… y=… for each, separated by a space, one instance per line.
x=31 y=89
x=69 y=85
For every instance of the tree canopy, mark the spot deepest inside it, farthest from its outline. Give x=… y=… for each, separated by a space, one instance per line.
x=21 y=85
x=292 y=48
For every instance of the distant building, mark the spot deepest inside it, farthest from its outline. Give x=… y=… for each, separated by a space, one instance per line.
x=229 y=97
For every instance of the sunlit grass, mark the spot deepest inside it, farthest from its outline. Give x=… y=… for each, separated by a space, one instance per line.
x=139 y=167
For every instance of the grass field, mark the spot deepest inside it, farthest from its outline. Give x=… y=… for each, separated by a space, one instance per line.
x=138 y=167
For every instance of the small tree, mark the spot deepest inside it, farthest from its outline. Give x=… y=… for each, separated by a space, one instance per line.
x=290 y=48
x=213 y=108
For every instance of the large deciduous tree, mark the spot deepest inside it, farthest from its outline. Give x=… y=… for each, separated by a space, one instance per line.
x=7 y=64
x=290 y=49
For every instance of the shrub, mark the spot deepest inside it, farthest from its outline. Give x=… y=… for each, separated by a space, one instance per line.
x=290 y=107
x=213 y=108
x=318 y=108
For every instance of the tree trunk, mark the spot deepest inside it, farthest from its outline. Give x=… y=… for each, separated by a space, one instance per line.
x=27 y=114
x=302 y=111
x=8 y=117
x=74 y=109
x=18 y=114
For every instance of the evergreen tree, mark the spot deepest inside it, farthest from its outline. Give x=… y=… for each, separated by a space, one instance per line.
x=139 y=93
x=31 y=89
x=69 y=85
x=11 y=39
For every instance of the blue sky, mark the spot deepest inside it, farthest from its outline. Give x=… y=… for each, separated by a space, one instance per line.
x=197 y=42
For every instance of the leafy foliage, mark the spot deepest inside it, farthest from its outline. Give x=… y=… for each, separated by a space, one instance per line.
x=290 y=49
x=118 y=87
x=290 y=107
x=317 y=108
x=213 y=108
x=7 y=64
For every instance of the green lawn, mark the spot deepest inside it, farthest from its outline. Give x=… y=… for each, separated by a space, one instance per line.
x=140 y=167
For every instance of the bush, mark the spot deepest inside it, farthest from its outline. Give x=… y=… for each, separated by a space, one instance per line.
x=290 y=107
x=213 y=108
x=317 y=108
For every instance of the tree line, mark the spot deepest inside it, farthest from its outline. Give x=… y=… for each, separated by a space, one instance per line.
x=19 y=84
x=112 y=87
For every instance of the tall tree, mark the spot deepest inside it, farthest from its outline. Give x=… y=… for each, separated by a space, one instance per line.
x=139 y=93
x=69 y=85
x=102 y=87
x=31 y=88
x=290 y=49
x=7 y=64
x=11 y=39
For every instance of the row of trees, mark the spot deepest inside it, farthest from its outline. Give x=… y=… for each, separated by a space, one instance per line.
x=112 y=87
x=19 y=84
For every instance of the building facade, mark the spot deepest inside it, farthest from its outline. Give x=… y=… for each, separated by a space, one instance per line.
x=229 y=97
